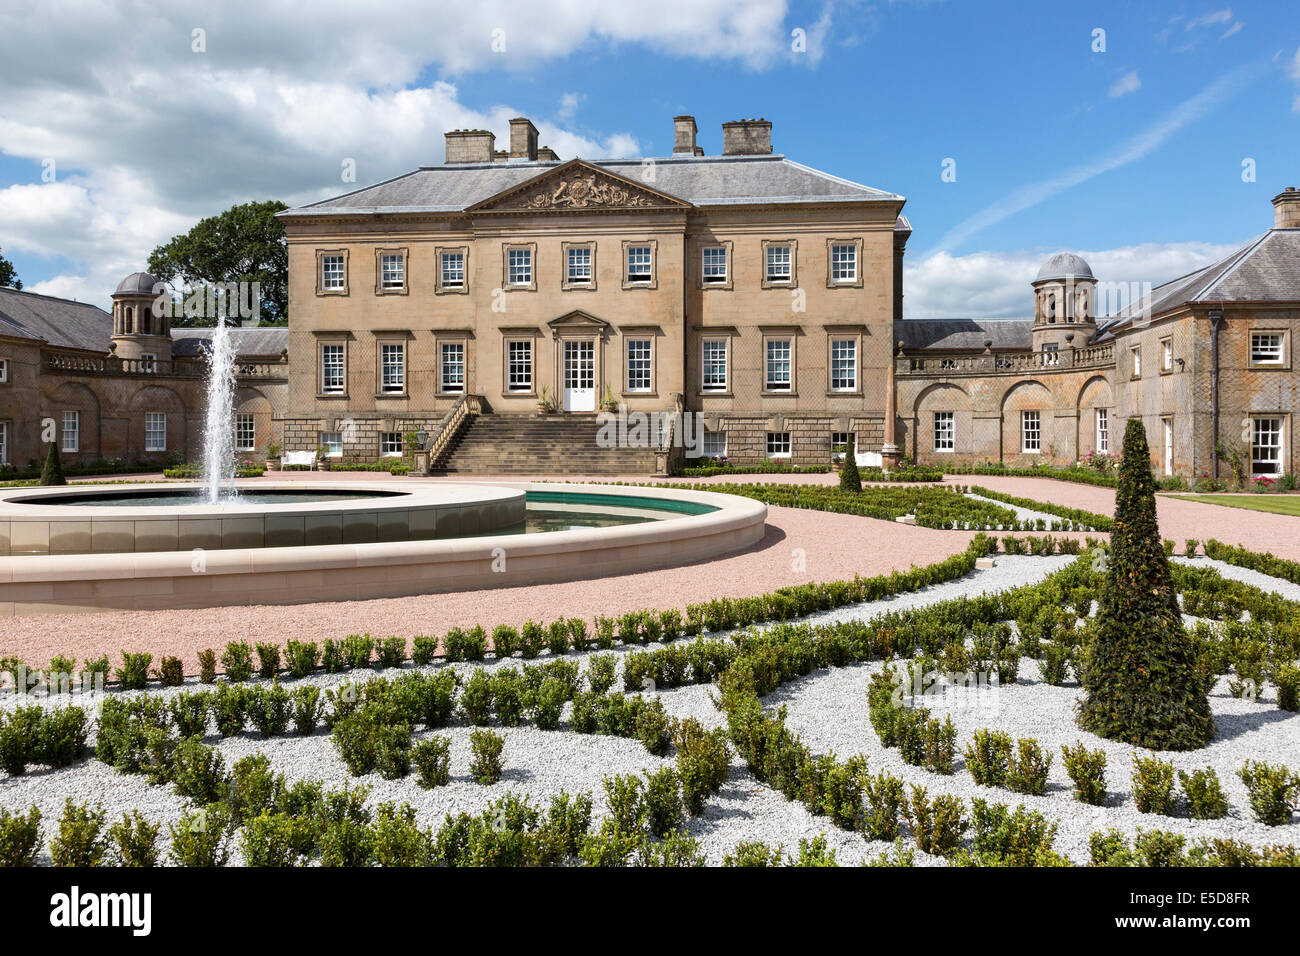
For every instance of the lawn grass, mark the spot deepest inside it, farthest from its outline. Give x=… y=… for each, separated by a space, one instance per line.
x=1277 y=504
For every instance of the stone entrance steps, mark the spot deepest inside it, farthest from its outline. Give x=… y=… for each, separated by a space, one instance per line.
x=559 y=444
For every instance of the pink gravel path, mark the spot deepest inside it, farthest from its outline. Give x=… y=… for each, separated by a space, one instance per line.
x=834 y=547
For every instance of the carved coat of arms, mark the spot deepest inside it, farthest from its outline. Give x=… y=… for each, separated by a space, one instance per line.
x=583 y=191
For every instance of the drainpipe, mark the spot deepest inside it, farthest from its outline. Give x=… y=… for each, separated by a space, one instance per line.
x=1216 y=319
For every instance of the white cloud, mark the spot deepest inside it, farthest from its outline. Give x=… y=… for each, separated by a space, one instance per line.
x=1128 y=83
x=1135 y=148
x=149 y=136
x=1210 y=19
x=997 y=284
x=1233 y=30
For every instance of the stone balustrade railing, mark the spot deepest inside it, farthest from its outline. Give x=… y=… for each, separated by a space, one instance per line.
x=449 y=427
x=74 y=364
x=1005 y=363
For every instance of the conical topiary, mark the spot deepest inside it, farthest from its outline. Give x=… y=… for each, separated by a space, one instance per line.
x=1141 y=679
x=850 y=479
x=52 y=473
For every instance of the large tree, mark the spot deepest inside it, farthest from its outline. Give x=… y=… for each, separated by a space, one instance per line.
x=8 y=274
x=243 y=244
x=1141 y=679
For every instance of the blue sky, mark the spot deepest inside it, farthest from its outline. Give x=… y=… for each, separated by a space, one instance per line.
x=1133 y=155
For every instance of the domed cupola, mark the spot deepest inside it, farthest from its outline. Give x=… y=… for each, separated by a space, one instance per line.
x=140 y=332
x=1065 y=298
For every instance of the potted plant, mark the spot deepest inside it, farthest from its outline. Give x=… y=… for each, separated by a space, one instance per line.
x=609 y=403
x=322 y=458
x=545 y=403
x=273 y=457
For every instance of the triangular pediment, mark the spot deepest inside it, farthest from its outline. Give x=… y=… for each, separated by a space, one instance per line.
x=577 y=319
x=578 y=186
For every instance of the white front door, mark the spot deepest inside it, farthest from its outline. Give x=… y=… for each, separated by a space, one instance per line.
x=1169 y=446
x=579 y=377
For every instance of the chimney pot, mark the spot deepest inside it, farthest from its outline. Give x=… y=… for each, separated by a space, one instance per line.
x=1286 y=209
x=684 y=131
x=746 y=137
x=523 y=139
x=469 y=145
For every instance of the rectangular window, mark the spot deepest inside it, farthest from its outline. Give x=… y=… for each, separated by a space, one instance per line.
x=148 y=362
x=945 y=431
x=453 y=367
x=1031 y=434
x=1136 y=354
x=777 y=375
x=844 y=365
x=713 y=377
x=392 y=270
x=715 y=265
x=1266 y=446
x=1266 y=348
x=639 y=378
x=453 y=270
x=392 y=368
x=638 y=264
x=332 y=442
x=4 y=370
x=331 y=369
x=779 y=264
x=842 y=443
x=778 y=444
x=1051 y=354
x=715 y=444
x=70 y=433
x=844 y=263
x=4 y=443
x=519 y=263
x=331 y=272
x=390 y=444
x=245 y=433
x=579 y=265
x=155 y=431
x=1166 y=355
x=519 y=366
x=1103 y=431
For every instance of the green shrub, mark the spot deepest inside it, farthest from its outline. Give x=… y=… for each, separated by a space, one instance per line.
x=392 y=651
x=1087 y=770
x=1287 y=678
x=268 y=660
x=237 y=660
x=269 y=839
x=814 y=852
x=601 y=670
x=663 y=802
x=432 y=760
x=207 y=666
x=461 y=645
x=1204 y=794
x=424 y=648
x=1018 y=838
x=332 y=660
x=254 y=787
x=1142 y=684
x=485 y=762
x=1189 y=547
x=171 y=673
x=850 y=479
x=393 y=750
x=557 y=637
x=654 y=728
x=988 y=757
x=19 y=734
x=508 y=695
x=269 y=708
x=1027 y=769
x=346 y=843
x=676 y=849
x=228 y=709
x=52 y=472
x=61 y=736
x=1055 y=658
x=199 y=772
x=81 y=840
x=1153 y=785
x=548 y=704
x=505 y=641
x=20 y=837
x=1273 y=791
x=134 y=840
x=625 y=799
x=703 y=761
x=201 y=837
x=307 y=709
x=753 y=853
x=303 y=658
x=885 y=802
x=397 y=840
x=582 y=720
x=532 y=638
x=134 y=672
x=476 y=698
x=604 y=632
x=357 y=649
x=937 y=825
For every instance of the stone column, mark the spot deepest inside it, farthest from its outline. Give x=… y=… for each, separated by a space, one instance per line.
x=889 y=452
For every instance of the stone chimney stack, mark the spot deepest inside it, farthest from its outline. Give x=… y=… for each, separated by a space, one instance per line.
x=746 y=137
x=1286 y=209
x=470 y=145
x=684 y=130
x=523 y=139
x=547 y=154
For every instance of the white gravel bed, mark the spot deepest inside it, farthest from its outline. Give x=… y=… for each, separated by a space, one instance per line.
x=829 y=711
x=1022 y=514
x=1264 y=582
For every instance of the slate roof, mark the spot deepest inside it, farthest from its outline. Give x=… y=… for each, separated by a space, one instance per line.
x=60 y=322
x=258 y=340
x=1266 y=269
x=965 y=335
x=701 y=180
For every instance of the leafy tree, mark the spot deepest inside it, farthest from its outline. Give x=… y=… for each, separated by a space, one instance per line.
x=52 y=473
x=850 y=477
x=8 y=274
x=1141 y=679
x=243 y=244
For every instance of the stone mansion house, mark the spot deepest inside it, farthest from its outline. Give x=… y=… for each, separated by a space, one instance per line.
x=493 y=304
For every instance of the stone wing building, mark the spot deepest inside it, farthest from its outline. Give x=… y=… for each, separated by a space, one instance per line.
x=483 y=310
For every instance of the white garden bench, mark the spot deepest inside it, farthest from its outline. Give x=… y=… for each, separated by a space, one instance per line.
x=307 y=458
